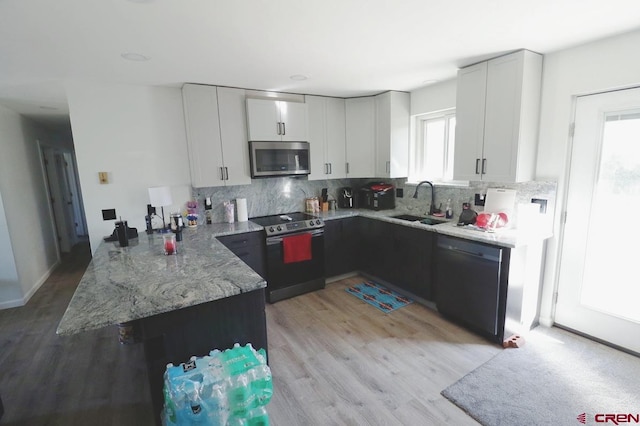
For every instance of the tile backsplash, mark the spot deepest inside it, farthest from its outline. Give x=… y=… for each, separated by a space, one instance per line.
x=287 y=194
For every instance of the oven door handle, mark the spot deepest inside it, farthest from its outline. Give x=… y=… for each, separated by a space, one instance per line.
x=278 y=239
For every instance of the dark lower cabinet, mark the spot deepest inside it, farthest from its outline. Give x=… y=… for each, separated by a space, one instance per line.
x=250 y=248
x=400 y=255
x=375 y=256
x=412 y=254
x=176 y=336
x=341 y=245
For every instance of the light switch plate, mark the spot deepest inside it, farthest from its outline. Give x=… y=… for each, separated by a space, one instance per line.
x=103 y=177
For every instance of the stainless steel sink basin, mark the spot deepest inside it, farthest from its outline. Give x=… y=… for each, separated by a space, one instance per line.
x=408 y=217
x=432 y=221
x=421 y=219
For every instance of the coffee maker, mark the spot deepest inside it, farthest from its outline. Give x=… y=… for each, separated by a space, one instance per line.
x=345 y=198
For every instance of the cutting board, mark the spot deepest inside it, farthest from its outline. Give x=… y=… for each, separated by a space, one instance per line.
x=500 y=200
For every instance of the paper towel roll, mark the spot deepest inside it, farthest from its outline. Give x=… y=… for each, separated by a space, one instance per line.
x=241 y=203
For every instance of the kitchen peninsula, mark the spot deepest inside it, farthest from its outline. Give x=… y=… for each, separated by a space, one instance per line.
x=183 y=305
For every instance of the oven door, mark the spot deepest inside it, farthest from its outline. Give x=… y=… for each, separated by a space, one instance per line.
x=291 y=279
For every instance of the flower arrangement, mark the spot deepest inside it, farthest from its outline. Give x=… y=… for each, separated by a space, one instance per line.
x=192 y=213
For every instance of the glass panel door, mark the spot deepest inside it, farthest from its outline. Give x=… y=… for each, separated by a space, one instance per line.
x=599 y=289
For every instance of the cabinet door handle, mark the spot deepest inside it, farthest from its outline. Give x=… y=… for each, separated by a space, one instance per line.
x=278 y=128
x=484 y=166
x=284 y=129
x=477 y=165
x=330 y=169
x=388 y=166
x=347 y=167
x=221 y=173
x=226 y=173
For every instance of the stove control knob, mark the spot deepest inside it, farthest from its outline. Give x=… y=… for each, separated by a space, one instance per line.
x=271 y=229
x=317 y=221
x=311 y=223
x=279 y=228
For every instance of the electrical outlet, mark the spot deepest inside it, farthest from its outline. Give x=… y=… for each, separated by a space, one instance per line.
x=108 y=214
x=103 y=177
x=479 y=199
x=399 y=192
x=542 y=202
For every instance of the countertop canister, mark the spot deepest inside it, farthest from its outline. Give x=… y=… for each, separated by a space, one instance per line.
x=228 y=211
x=243 y=214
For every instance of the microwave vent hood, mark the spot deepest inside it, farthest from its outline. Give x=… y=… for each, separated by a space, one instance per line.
x=279 y=158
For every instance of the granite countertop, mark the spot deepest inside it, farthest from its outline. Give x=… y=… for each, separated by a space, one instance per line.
x=138 y=281
x=509 y=238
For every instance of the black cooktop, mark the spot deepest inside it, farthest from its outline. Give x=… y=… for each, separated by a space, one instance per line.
x=287 y=223
x=278 y=219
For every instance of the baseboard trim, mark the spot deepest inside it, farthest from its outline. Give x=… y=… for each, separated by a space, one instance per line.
x=39 y=283
x=340 y=277
x=11 y=304
x=546 y=321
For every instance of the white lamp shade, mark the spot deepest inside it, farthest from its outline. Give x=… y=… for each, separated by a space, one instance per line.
x=160 y=196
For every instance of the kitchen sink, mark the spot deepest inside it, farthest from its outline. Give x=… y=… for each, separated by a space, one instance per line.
x=432 y=221
x=408 y=217
x=421 y=219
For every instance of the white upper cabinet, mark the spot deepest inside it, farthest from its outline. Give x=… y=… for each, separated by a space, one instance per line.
x=216 y=136
x=269 y=120
x=361 y=134
x=497 y=111
x=392 y=134
x=233 y=132
x=327 y=137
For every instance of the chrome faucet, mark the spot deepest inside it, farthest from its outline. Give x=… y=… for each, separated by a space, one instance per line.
x=431 y=206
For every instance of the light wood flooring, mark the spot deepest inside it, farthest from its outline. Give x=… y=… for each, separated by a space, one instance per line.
x=335 y=361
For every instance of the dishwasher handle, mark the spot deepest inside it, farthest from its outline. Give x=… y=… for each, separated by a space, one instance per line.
x=469 y=248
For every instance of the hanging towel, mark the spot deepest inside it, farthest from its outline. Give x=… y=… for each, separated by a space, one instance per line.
x=296 y=248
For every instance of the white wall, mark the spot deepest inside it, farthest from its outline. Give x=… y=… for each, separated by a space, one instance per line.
x=435 y=97
x=603 y=65
x=26 y=208
x=137 y=135
x=10 y=294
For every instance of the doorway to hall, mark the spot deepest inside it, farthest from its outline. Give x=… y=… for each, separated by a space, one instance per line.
x=65 y=198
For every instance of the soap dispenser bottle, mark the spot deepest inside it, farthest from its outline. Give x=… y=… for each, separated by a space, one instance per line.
x=449 y=210
x=207 y=210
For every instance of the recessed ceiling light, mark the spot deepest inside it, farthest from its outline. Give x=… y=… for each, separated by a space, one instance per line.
x=132 y=56
x=298 y=77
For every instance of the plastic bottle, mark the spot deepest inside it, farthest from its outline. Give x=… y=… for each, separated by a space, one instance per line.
x=449 y=210
x=207 y=210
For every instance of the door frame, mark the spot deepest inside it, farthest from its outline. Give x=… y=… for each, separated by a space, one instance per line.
x=563 y=214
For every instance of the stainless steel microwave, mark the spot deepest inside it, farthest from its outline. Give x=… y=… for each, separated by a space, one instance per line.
x=279 y=158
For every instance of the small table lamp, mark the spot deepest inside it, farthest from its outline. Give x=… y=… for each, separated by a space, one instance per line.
x=160 y=196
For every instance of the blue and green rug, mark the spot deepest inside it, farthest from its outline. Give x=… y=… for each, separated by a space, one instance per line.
x=379 y=296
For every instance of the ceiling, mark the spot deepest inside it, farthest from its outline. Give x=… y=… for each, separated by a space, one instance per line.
x=344 y=47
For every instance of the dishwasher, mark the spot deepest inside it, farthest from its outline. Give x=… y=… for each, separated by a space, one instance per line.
x=469 y=287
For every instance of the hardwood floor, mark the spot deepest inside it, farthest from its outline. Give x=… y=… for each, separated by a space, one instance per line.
x=86 y=379
x=335 y=361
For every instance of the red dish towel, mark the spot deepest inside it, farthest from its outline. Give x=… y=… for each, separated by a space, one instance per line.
x=296 y=248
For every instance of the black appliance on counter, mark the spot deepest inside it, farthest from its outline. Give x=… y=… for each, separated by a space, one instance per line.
x=286 y=278
x=376 y=196
x=345 y=198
